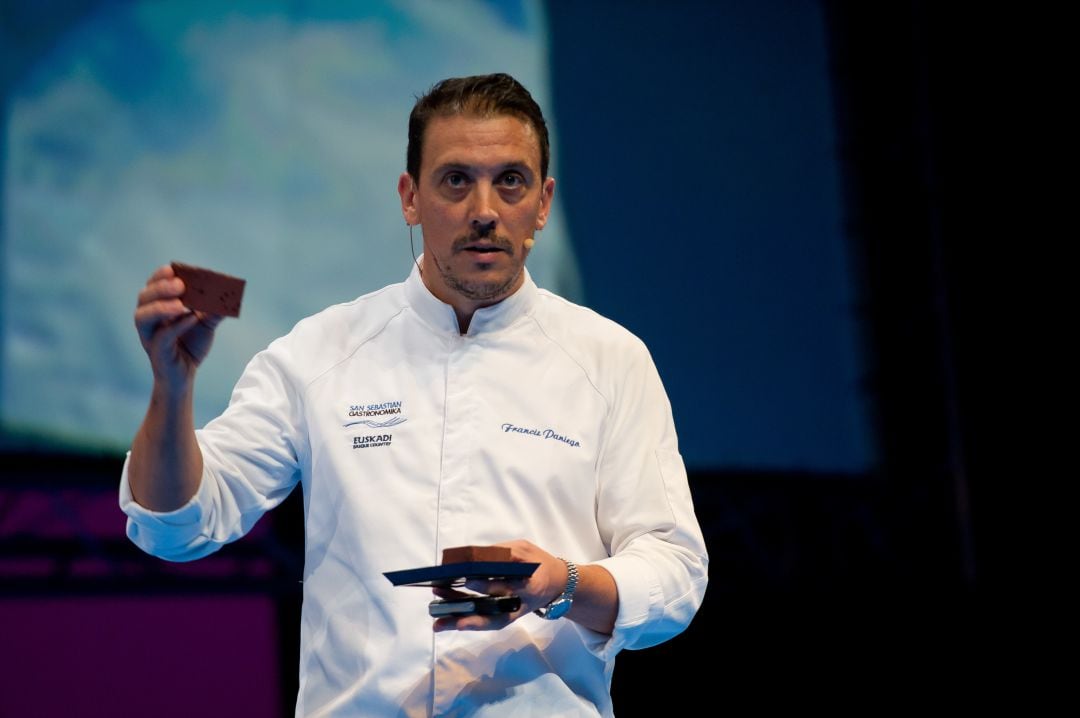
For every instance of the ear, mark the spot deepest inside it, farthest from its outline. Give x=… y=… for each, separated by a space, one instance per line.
x=547 y=193
x=406 y=188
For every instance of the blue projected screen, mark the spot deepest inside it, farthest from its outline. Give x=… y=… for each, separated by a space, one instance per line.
x=697 y=196
x=263 y=142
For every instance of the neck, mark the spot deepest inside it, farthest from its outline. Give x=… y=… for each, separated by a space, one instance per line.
x=463 y=320
x=464 y=307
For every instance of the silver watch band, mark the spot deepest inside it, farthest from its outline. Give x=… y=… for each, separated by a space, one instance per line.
x=561 y=604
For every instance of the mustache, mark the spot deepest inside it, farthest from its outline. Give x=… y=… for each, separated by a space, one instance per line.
x=498 y=241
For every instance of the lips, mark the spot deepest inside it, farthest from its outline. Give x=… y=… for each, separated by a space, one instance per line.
x=484 y=245
x=484 y=249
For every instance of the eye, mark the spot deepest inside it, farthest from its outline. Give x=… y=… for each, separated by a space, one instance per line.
x=456 y=180
x=512 y=180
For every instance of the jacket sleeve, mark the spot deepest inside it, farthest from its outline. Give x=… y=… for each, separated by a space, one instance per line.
x=645 y=514
x=251 y=459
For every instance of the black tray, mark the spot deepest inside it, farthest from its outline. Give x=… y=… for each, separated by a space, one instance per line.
x=455 y=574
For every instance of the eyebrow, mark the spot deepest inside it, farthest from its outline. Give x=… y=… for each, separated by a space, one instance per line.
x=517 y=165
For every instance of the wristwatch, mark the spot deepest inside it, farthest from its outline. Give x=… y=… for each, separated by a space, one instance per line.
x=559 y=607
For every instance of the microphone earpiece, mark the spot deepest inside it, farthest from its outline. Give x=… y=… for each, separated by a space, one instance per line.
x=529 y=242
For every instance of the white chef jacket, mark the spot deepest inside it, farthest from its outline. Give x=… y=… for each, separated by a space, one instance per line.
x=545 y=421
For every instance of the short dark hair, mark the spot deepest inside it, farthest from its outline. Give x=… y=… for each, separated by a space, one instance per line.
x=482 y=95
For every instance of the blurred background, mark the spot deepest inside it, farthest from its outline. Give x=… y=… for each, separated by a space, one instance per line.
x=772 y=195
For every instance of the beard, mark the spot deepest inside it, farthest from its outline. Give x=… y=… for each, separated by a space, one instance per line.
x=475 y=289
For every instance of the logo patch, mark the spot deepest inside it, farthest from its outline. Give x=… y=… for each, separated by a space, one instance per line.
x=367 y=442
x=391 y=410
x=374 y=415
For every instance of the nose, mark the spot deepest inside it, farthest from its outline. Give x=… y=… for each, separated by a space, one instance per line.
x=484 y=217
x=483 y=229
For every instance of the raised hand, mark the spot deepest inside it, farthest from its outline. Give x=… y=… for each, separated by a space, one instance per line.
x=175 y=338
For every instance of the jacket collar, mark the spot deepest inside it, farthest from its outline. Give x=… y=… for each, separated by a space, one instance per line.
x=440 y=315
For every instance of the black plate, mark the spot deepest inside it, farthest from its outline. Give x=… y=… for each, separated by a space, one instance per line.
x=455 y=574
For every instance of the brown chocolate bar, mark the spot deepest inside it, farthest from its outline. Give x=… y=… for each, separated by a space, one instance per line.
x=210 y=291
x=462 y=554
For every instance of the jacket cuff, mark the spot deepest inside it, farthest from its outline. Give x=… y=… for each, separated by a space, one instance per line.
x=170 y=535
x=640 y=599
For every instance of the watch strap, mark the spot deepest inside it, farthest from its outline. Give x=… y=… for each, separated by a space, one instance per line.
x=561 y=604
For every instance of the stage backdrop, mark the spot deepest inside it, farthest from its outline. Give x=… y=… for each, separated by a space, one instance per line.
x=698 y=200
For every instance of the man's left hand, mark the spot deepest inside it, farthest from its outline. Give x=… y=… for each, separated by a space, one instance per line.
x=541 y=588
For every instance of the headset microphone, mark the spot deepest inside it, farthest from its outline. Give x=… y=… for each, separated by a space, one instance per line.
x=529 y=242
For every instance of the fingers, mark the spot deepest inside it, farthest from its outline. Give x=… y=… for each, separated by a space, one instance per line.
x=546 y=583
x=501 y=587
x=165 y=270
x=159 y=301
x=162 y=272
x=148 y=316
x=175 y=337
x=479 y=621
x=208 y=320
x=474 y=623
x=523 y=550
x=161 y=288
x=170 y=333
x=447 y=593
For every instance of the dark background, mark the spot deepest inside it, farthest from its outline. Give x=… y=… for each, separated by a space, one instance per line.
x=848 y=589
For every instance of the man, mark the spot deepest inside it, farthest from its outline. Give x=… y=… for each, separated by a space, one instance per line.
x=464 y=406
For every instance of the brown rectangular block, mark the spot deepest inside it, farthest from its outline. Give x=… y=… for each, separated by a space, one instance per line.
x=210 y=291
x=462 y=554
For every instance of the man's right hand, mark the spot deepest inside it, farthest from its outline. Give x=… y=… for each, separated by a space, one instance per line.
x=166 y=464
x=175 y=338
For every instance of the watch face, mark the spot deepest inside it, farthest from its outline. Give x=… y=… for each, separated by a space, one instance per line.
x=557 y=609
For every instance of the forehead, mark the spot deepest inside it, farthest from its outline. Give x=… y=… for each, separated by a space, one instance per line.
x=479 y=140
